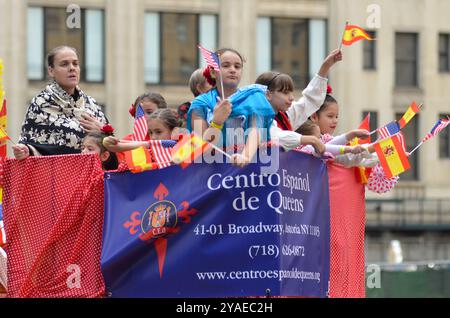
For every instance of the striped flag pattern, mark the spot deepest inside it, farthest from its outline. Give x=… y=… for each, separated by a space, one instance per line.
x=440 y=125
x=161 y=151
x=389 y=130
x=140 y=128
x=401 y=139
x=210 y=57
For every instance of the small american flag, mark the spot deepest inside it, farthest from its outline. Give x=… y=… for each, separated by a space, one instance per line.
x=389 y=130
x=161 y=151
x=140 y=129
x=210 y=57
x=440 y=125
x=401 y=138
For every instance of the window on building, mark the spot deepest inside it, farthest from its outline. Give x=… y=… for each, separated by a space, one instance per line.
x=48 y=28
x=444 y=52
x=406 y=54
x=444 y=140
x=171 y=53
x=293 y=46
x=411 y=134
x=369 y=53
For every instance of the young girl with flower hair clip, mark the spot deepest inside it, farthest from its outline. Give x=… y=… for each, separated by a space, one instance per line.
x=93 y=143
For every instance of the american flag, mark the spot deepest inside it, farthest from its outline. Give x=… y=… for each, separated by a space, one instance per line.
x=401 y=138
x=389 y=130
x=140 y=129
x=161 y=151
x=440 y=125
x=210 y=57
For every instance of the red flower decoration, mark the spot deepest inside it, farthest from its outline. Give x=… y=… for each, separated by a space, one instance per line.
x=107 y=129
x=132 y=110
x=207 y=74
x=329 y=89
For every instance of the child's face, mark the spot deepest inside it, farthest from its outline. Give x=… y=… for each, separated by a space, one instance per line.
x=90 y=146
x=328 y=119
x=280 y=101
x=148 y=107
x=231 y=68
x=158 y=130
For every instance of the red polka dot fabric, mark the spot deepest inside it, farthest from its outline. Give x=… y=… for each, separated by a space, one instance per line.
x=378 y=182
x=53 y=214
x=347 y=226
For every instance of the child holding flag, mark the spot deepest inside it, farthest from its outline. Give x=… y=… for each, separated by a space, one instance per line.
x=290 y=114
x=336 y=146
x=162 y=125
x=93 y=143
x=220 y=114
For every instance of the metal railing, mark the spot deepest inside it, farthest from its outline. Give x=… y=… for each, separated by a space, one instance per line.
x=408 y=214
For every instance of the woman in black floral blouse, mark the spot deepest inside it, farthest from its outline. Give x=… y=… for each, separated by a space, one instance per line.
x=61 y=115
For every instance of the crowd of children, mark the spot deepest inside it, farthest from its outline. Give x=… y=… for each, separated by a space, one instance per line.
x=221 y=112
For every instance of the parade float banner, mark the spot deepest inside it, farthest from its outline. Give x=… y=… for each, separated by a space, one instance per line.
x=214 y=230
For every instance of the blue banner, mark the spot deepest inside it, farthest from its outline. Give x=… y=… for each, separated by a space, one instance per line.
x=214 y=230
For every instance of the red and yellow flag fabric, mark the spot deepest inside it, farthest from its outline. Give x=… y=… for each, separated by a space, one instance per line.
x=3 y=135
x=409 y=114
x=187 y=149
x=362 y=173
x=353 y=34
x=139 y=160
x=3 y=122
x=392 y=156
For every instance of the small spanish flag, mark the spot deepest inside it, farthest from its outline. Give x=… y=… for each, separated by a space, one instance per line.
x=409 y=114
x=187 y=149
x=354 y=33
x=392 y=156
x=139 y=160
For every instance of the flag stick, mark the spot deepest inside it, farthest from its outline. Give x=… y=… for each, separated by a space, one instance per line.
x=343 y=33
x=220 y=75
x=417 y=147
x=373 y=131
x=220 y=150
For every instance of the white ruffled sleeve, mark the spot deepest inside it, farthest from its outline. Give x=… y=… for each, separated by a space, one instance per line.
x=312 y=98
x=284 y=138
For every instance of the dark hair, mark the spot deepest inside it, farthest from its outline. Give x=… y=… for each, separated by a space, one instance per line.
x=51 y=55
x=328 y=100
x=112 y=162
x=206 y=72
x=167 y=116
x=276 y=82
x=307 y=128
x=156 y=98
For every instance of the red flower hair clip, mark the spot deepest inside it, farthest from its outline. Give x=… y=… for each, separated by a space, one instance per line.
x=132 y=110
x=107 y=129
x=207 y=74
x=329 y=89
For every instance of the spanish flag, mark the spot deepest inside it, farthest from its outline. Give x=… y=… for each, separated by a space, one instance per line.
x=139 y=160
x=3 y=135
x=409 y=114
x=362 y=173
x=392 y=156
x=354 y=33
x=187 y=149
